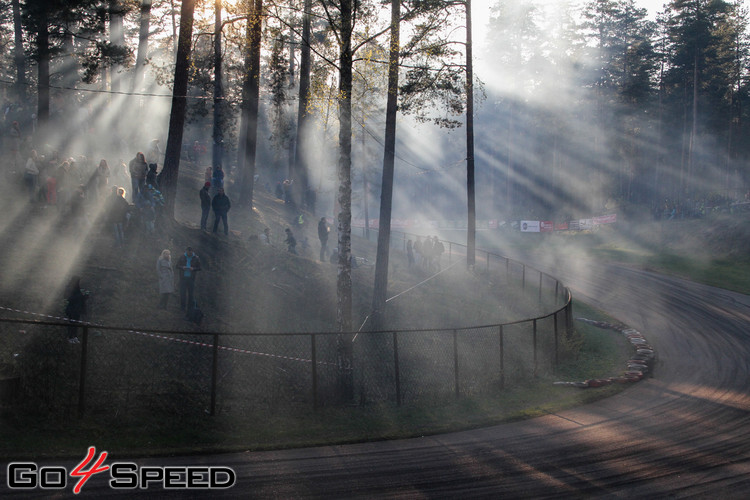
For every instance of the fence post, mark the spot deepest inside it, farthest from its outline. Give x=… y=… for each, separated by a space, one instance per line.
x=569 y=316
x=455 y=360
x=540 y=286
x=502 y=360
x=557 y=292
x=214 y=373
x=535 y=353
x=82 y=375
x=523 y=277
x=314 y=357
x=397 y=371
x=557 y=341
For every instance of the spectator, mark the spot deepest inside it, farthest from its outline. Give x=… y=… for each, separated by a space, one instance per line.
x=75 y=308
x=221 y=205
x=188 y=266
x=217 y=178
x=154 y=153
x=291 y=242
x=323 y=231
x=265 y=236
x=165 y=274
x=31 y=175
x=198 y=151
x=151 y=178
x=118 y=212
x=205 y=204
x=137 y=170
x=102 y=177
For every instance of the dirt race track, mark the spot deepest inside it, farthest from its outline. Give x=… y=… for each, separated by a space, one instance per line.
x=684 y=432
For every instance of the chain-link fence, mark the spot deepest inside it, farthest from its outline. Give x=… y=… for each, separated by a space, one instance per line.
x=126 y=373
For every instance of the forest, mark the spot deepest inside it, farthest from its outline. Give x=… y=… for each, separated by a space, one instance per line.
x=377 y=110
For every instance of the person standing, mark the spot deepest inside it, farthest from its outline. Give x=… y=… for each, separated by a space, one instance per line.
x=137 y=170
x=188 y=266
x=323 y=237
x=409 y=254
x=205 y=204
x=118 y=213
x=154 y=153
x=75 y=308
x=265 y=236
x=31 y=175
x=291 y=242
x=102 y=178
x=217 y=177
x=166 y=277
x=221 y=205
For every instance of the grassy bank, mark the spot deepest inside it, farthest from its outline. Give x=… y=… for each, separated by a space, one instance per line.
x=602 y=353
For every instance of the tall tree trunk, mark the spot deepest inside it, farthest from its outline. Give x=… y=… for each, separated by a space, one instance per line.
x=43 y=49
x=300 y=172
x=344 y=284
x=18 y=55
x=179 y=105
x=250 y=100
x=380 y=287
x=218 y=149
x=693 y=126
x=344 y=279
x=142 y=52
x=174 y=27
x=116 y=37
x=471 y=233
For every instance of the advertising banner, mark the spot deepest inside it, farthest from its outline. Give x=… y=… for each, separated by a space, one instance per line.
x=605 y=219
x=529 y=226
x=546 y=226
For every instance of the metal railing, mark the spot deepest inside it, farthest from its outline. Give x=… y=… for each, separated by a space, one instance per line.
x=124 y=371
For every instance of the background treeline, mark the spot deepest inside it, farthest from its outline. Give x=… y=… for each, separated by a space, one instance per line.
x=587 y=106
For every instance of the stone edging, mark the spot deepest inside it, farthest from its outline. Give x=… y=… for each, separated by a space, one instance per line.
x=638 y=365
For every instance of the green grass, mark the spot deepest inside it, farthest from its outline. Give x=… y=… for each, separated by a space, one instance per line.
x=602 y=354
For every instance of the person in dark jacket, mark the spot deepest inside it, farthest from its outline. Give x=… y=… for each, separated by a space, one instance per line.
x=205 y=205
x=291 y=242
x=75 y=308
x=118 y=212
x=323 y=237
x=188 y=266
x=221 y=205
x=151 y=176
x=138 y=169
